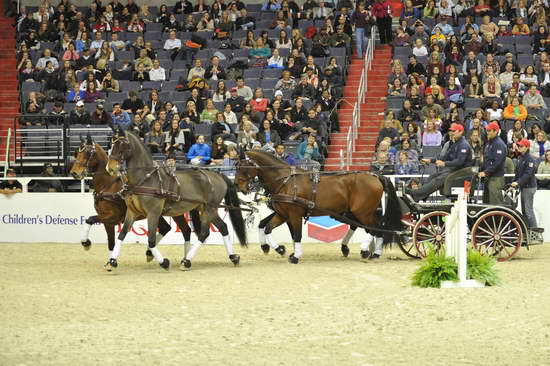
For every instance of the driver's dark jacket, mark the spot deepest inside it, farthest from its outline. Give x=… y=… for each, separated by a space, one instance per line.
x=458 y=155
x=526 y=168
x=494 y=158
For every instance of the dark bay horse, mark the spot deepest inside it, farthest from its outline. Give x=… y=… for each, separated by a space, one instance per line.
x=152 y=191
x=109 y=205
x=354 y=196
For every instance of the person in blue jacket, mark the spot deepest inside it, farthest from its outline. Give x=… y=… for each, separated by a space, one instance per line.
x=120 y=118
x=492 y=169
x=526 y=168
x=200 y=152
x=309 y=149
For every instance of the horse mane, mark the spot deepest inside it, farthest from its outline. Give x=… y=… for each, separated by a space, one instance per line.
x=104 y=157
x=137 y=143
x=264 y=158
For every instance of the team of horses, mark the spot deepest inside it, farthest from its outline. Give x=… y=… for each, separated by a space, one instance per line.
x=129 y=185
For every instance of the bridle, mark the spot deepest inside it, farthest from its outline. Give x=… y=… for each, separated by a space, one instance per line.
x=90 y=151
x=123 y=140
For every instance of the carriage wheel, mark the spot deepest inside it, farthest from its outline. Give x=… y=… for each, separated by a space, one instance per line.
x=429 y=231
x=406 y=244
x=497 y=233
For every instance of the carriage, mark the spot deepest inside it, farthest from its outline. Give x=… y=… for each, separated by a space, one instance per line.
x=494 y=230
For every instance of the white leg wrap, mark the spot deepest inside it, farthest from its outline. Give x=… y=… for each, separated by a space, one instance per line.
x=191 y=253
x=378 y=246
x=191 y=226
x=366 y=243
x=110 y=254
x=157 y=255
x=158 y=238
x=186 y=247
x=228 y=244
x=348 y=236
x=116 y=250
x=272 y=243
x=261 y=236
x=298 y=250
x=85 y=232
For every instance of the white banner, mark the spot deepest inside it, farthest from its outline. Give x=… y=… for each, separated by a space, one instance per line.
x=58 y=217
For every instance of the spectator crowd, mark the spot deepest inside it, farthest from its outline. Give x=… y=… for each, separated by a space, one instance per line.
x=194 y=80
x=468 y=63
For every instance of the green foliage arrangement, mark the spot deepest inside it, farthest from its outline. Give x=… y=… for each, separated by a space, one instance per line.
x=481 y=268
x=437 y=268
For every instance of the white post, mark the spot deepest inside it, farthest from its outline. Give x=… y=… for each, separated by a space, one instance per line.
x=456 y=243
x=7 y=157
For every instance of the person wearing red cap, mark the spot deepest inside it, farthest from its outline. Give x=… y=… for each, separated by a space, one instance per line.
x=526 y=168
x=456 y=161
x=494 y=159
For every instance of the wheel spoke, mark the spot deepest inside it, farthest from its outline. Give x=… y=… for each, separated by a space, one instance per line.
x=485 y=242
x=500 y=223
x=505 y=249
x=505 y=227
x=487 y=232
x=509 y=231
x=509 y=237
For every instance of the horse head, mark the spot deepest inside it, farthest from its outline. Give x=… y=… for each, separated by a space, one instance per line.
x=246 y=172
x=85 y=158
x=121 y=150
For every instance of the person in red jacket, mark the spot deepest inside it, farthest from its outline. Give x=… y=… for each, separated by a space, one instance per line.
x=382 y=12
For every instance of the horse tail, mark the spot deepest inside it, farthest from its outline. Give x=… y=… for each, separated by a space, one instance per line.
x=392 y=215
x=196 y=220
x=235 y=214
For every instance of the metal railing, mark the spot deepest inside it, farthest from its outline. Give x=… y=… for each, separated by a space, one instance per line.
x=7 y=153
x=53 y=140
x=346 y=157
x=25 y=180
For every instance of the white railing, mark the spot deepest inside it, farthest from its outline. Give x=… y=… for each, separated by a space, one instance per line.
x=456 y=242
x=7 y=153
x=346 y=159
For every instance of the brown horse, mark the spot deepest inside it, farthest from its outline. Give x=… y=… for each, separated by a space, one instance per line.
x=353 y=197
x=109 y=205
x=152 y=191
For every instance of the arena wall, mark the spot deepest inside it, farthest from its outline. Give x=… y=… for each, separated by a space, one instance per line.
x=58 y=217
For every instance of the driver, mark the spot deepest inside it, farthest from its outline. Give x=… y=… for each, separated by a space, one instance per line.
x=456 y=155
x=526 y=181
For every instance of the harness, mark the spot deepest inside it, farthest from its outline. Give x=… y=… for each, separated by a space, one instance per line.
x=115 y=197
x=309 y=204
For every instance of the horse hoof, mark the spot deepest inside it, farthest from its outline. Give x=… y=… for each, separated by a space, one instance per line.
x=235 y=258
x=365 y=254
x=345 y=250
x=165 y=264
x=265 y=248
x=87 y=244
x=149 y=255
x=281 y=250
x=111 y=264
x=292 y=259
x=375 y=256
x=185 y=265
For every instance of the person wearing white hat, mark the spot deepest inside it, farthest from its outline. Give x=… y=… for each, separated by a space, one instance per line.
x=79 y=116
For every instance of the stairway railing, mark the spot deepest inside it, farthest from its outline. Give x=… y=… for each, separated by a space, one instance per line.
x=7 y=153
x=346 y=159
